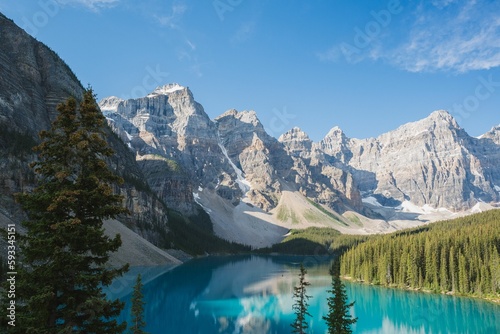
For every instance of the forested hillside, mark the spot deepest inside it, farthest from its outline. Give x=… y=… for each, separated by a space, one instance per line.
x=458 y=256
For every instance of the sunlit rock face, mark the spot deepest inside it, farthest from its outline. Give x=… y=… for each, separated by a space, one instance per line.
x=428 y=162
x=432 y=161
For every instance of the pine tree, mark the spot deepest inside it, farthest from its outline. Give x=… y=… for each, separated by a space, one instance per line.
x=137 y=309
x=65 y=251
x=339 y=320
x=300 y=306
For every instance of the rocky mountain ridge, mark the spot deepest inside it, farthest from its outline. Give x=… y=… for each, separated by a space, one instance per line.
x=430 y=163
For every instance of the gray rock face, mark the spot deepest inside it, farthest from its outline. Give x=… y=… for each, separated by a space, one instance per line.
x=432 y=161
x=33 y=80
x=169 y=125
x=232 y=155
x=317 y=174
x=261 y=157
x=493 y=135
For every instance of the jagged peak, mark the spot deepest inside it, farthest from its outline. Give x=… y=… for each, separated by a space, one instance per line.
x=335 y=132
x=230 y=112
x=248 y=116
x=245 y=116
x=438 y=117
x=441 y=114
x=294 y=134
x=166 y=89
x=494 y=133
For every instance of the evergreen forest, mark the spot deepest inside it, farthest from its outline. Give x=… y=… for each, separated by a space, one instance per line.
x=459 y=256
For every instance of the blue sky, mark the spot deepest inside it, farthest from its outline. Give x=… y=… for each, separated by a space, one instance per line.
x=365 y=66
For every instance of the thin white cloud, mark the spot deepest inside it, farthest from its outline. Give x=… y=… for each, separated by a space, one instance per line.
x=94 y=5
x=191 y=45
x=446 y=35
x=172 y=19
x=465 y=39
x=244 y=32
x=441 y=3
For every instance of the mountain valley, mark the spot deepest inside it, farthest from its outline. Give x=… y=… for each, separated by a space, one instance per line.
x=229 y=177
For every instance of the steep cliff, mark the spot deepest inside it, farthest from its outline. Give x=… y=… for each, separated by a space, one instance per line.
x=33 y=80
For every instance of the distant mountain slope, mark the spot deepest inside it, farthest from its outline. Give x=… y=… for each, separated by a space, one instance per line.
x=429 y=162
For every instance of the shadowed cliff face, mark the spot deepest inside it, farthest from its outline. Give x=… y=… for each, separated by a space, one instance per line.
x=33 y=80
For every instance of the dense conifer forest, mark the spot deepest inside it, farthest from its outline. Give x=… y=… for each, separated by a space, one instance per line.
x=459 y=256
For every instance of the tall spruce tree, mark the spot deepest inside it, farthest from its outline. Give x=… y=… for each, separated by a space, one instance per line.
x=339 y=320
x=65 y=250
x=137 y=310
x=300 y=306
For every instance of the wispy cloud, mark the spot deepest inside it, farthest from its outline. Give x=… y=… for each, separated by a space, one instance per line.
x=441 y=3
x=172 y=19
x=459 y=39
x=244 y=32
x=94 y=5
x=444 y=35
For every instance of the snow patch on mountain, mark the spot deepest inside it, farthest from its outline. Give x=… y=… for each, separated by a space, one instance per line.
x=166 y=89
x=371 y=200
x=242 y=182
x=197 y=199
x=110 y=104
x=128 y=135
x=408 y=206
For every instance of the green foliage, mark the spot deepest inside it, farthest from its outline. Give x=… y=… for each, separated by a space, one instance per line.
x=15 y=143
x=353 y=218
x=300 y=305
x=338 y=319
x=194 y=235
x=315 y=241
x=173 y=166
x=458 y=256
x=65 y=251
x=283 y=213
x=137 y=182
x=326 y=212
x=137 y=309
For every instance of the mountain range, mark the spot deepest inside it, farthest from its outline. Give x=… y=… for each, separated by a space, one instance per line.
x=246 y=179
x=252 y=186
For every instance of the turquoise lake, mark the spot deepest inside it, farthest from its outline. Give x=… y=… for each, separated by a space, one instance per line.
x=253 y=294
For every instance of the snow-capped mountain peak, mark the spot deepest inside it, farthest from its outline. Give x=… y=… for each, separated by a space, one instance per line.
x=166 y=89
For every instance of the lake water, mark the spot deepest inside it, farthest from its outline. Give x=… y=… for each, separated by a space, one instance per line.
x=253 y=294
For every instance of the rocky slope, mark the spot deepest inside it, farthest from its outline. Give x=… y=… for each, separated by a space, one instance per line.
x=429 y=162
